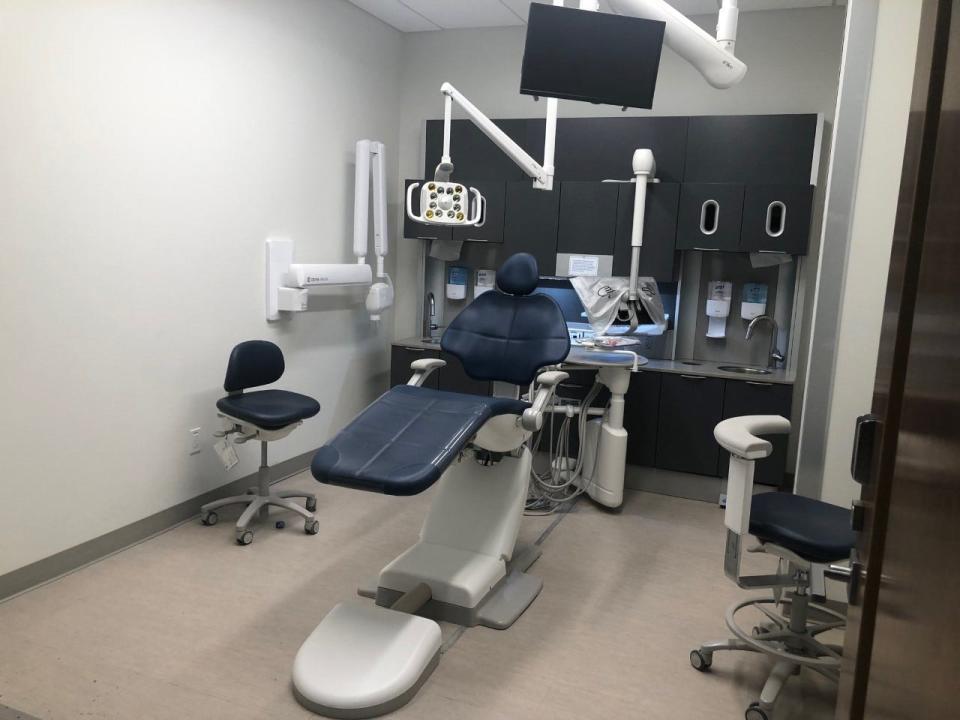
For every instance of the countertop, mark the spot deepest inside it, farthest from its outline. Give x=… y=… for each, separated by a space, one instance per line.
x=678 y=367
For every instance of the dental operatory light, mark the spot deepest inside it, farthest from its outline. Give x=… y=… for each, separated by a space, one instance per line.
x=287 y=282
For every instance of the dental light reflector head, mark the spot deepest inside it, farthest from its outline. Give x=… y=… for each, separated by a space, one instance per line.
x=446 y=203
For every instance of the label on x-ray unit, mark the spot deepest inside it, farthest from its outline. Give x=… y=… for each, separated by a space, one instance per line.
x=227 y=453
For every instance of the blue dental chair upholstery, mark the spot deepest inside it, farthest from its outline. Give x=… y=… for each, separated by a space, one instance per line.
x=402 y=443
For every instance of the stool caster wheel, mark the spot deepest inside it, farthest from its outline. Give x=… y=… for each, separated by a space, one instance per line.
x=280 y=525
x=245 y=537
x=311 y=527
x=701 y=661
x=311 y=504
x=755 y=712
x=209 y=518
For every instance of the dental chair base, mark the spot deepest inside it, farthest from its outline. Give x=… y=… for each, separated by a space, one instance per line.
x=365 y=661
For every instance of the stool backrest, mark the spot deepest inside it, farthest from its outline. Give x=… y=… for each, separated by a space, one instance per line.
x=253 y=363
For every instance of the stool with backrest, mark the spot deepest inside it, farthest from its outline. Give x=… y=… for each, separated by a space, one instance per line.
x=805 y=535
x=264 y=415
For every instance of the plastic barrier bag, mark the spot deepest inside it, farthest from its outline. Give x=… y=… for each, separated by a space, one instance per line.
x=605 y=300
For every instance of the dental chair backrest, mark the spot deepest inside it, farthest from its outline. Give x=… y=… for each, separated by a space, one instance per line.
x=253 y=363
x=508 y=334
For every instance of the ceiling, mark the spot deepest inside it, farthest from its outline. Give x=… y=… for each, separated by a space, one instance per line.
x=420 y=15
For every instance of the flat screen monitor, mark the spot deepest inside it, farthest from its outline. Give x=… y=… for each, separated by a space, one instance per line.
x=591 y=56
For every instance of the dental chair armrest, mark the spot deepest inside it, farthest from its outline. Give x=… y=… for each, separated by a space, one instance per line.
x=547 y=382
x=422 y=369
x=738 y=435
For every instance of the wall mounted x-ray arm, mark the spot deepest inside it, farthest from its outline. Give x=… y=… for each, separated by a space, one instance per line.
x=713 y=57
x=370 y=161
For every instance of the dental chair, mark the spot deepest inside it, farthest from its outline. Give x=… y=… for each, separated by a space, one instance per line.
x=805 y=535
x=364 y=660
x=264 y=415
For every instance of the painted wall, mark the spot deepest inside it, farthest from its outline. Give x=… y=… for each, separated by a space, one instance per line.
x=868 y=255
x=148 y=148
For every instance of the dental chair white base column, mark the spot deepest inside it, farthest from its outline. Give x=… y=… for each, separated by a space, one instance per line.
x=365 y=661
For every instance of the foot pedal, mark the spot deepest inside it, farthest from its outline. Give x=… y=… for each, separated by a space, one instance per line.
x=363 y=660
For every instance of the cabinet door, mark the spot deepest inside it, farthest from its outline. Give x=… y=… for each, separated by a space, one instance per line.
x=776 y=218
x=690 y=408
x=414 y=230
x=455 y=379
x=640 y=416
x=710 y=216
x=588 y=218
x=750 y=148
x=530 y=224
x=400 y=358
x=659 y=251
x=491 y=229
x=760 y=398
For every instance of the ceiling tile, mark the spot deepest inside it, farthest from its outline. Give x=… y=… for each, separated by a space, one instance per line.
x=395 y=13
x=450 y=14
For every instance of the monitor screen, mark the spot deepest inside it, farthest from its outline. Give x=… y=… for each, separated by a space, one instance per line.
x=591 y=56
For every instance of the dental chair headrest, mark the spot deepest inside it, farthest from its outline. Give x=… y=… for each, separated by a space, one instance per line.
x=518 y=275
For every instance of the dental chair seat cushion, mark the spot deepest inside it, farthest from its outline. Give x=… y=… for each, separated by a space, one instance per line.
x=814 y=530
x=269 y=409
x=402 y=443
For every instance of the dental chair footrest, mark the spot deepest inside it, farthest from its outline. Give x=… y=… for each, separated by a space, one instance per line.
x=362 y=661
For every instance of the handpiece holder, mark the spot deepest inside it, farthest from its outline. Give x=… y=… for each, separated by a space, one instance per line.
x=446 y=203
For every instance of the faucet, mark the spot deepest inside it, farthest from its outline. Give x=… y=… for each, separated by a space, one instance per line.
x=429 y=315
x=773 y=356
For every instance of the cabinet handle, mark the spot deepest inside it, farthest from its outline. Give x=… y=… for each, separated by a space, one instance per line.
x=776 y=218
x=773 y=252
x=693 y=377
x=424 y=237
x=759 y=384
x=414 y=349
x=709 y=217
x=709 y=249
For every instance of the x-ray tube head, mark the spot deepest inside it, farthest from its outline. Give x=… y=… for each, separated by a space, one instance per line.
x=712 y=57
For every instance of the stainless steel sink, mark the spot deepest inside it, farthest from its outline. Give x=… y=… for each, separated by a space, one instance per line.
x=743 y=370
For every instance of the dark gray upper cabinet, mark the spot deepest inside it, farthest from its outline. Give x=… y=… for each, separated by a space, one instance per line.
x=760 y=398
x=710 y=216
x=750 y=149
x=659 y=251
x=690 y=408
x=776 y=218
x=491 y=229
x=588 y=217
x=602 y=148
x=474 y=155
x=415 y=230
x=530 y=224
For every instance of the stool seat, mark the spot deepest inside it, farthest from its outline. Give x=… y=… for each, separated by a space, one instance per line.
x=814 y=530
x=269 y=409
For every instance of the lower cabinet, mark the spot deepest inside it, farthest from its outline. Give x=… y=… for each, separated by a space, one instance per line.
x=760 y=398
x=690 y=407
x=451 y=377
x=640 y=416
x=454 y=378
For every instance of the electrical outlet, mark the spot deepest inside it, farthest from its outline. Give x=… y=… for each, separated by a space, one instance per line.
x=194 y=446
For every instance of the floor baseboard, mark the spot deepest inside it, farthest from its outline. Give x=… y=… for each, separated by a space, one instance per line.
x=66 y=561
